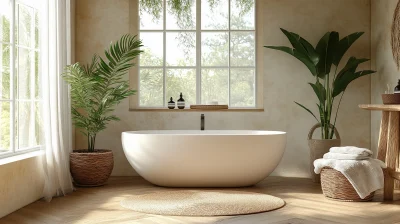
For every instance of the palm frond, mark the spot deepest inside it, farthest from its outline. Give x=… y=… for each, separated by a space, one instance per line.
x=119 y=56
x=98 y=87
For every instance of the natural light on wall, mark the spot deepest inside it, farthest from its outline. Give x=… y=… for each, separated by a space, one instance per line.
x=19 y=77
x=206 y=50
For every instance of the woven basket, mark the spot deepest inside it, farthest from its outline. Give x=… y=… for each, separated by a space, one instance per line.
x=318 y=147
x=391 y=98
x=336 y=186
x=91 y=169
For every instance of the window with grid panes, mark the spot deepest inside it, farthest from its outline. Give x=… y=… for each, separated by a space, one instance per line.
x=19 y=77
x=206 y=50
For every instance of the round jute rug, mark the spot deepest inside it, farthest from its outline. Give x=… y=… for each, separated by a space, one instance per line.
x=202 y=202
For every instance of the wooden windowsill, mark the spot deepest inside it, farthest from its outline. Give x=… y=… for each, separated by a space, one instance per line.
x=196 y=110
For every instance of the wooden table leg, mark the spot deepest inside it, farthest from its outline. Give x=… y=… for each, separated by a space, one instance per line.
x=382 y=145
x=392 y=153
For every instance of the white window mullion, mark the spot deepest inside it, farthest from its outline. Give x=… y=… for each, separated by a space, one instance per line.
x=168 y=67
x=164 y=51
x=198 y=52
x=169 y=30
x=32 y=82
x=255 y=53
x=229 y=53
x=204 y=31
x=25 y=47
x=12 y=76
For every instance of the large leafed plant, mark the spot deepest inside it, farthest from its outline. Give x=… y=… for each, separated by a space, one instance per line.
x=98 y=87
x=323 y=63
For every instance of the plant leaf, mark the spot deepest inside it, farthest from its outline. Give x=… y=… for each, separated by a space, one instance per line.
x=312 y=53
x=320 y=91
x=302 y=46
x=343 y=45
x=303 y=58
x=101 y=85
x=332 y=45
x=325 y=49
x=321 y=49
x=341 y=83
x=351 y=66
x=294 y=39
x=321 y=113
x=309 y=111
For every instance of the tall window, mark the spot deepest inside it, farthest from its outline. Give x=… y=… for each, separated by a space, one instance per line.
x=19 y=77
x=204 y=49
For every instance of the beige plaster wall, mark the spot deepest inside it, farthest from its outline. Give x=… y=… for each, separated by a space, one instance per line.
x=382 y=59
x=98 y=22
x=21 y=183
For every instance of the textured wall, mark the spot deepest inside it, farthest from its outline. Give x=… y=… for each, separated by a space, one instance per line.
x=98 y=22
x=21 y=184
x=382 y=59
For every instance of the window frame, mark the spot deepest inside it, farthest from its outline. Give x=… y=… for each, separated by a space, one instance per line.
x=134 y=74
x=33 y=49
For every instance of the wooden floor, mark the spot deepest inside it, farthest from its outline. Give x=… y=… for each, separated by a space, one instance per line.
x=305 y=205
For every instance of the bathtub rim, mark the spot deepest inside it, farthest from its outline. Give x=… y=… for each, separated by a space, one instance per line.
x=207 y=132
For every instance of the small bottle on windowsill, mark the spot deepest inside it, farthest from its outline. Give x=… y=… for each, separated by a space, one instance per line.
x=171 y=104
x=181 y=102
x=397 y=88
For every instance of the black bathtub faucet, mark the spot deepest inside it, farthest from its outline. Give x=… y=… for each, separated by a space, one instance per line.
x=202 y=122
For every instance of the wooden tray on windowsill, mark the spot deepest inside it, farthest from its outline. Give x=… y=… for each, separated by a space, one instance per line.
x=209 y=107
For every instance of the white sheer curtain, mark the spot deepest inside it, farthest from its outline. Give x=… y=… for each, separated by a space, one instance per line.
x=55 y=55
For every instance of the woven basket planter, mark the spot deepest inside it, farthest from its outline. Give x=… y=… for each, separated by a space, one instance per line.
x=336 y=186
x=391 y=98
x=91 y=169
x=318 y=147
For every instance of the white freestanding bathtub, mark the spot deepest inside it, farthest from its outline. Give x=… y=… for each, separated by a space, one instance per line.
x=218 y=158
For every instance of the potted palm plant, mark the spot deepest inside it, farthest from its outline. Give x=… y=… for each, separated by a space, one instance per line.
x=96 y=89
x=330 y=82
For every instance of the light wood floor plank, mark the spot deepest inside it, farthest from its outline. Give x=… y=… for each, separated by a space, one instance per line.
x=305 y=204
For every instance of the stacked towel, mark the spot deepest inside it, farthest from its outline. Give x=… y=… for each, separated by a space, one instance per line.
x=351 y=150
x=343 y=156
x=356 y=164
x=348 y=153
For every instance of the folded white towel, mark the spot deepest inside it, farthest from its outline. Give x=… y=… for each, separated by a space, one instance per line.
x=343 y=156
x=366 y=176
x=351 y=150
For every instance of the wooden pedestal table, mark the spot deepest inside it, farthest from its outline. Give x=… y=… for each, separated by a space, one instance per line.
x=388 y=146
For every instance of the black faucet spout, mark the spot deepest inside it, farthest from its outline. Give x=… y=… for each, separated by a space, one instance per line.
x=202 y=122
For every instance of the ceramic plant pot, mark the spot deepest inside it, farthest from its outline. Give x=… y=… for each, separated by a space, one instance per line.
x=318 y=147
x=91 y=169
